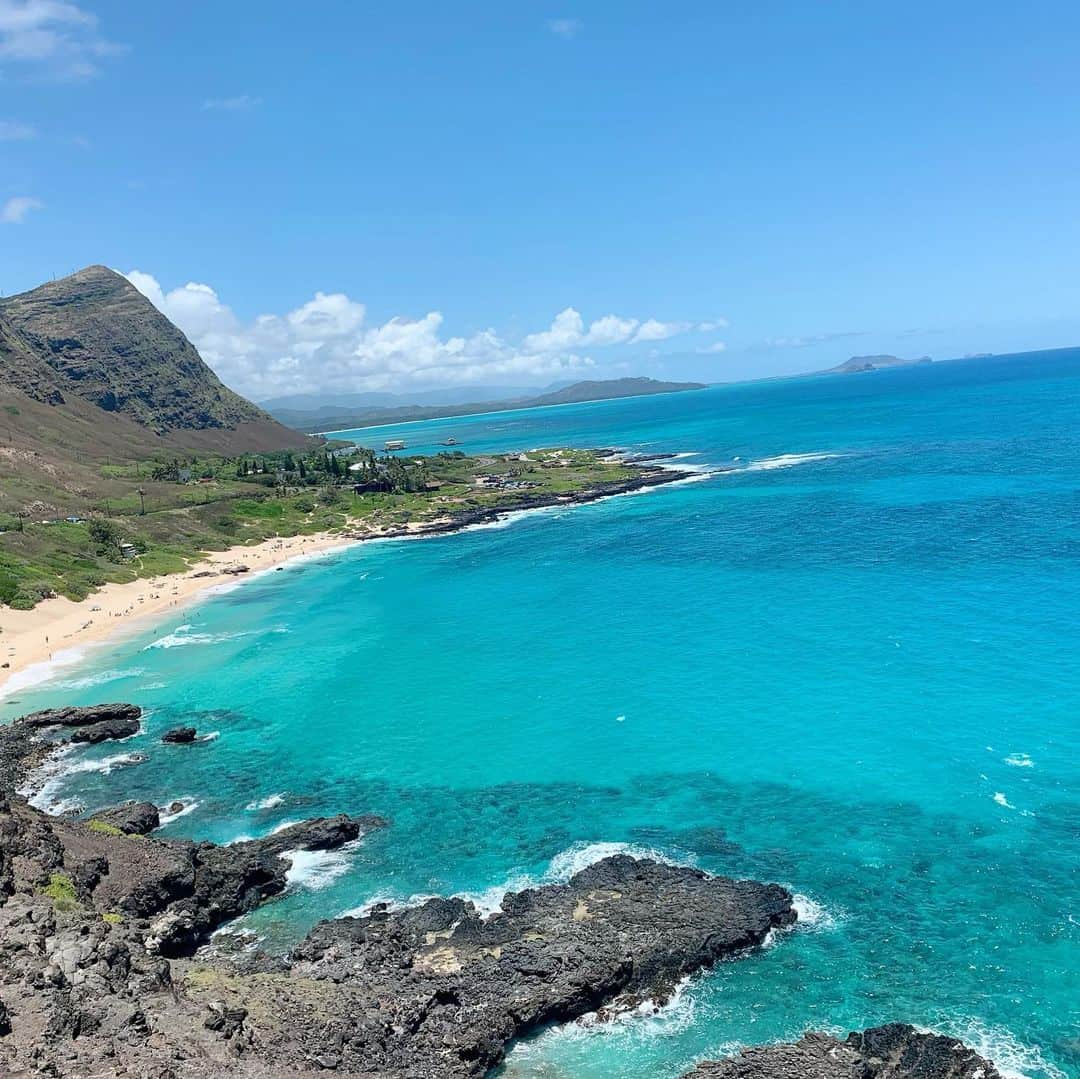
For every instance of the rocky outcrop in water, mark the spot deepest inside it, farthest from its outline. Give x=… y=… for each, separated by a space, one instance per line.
x=105 y=731
x=179 y=736
x=23 y=747
x=79 y=717
x=99 y=975
x=893 y=1051
x=439 y=990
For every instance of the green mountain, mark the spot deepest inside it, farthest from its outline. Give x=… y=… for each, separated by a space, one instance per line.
x=92 y=339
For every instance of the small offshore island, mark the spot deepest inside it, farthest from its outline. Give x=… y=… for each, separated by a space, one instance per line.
x=101 y=925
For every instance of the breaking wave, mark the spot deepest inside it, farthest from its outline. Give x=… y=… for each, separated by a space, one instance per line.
x=1012 y=1058
x=44 y=786
x=99 y=679
x=788 y=460
x=565 y=865
x=189 y=806
x=183 y=635
x=317 y=869
x=269 y=802
x=814 y=915
x=1019 y=760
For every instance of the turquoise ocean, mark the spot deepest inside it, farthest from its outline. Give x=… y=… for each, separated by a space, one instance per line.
x=851 y=665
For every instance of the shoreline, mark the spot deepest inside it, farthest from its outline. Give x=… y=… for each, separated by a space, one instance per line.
x=56 y=633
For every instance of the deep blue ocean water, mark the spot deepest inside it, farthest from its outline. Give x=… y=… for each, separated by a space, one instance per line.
x=850 y=666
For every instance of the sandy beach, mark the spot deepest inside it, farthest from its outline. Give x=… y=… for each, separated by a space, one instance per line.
x=33 y=643
x=58 y=628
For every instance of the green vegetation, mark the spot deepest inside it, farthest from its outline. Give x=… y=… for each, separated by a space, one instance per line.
x=61 y=890
x=103 y=827
x=149 y=518
x=113 y=917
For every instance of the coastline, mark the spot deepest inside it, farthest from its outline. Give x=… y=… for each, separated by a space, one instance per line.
x=56 y=632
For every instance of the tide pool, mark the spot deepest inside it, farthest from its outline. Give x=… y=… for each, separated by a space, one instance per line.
x=847 y=666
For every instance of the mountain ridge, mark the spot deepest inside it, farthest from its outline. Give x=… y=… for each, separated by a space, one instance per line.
x=92 y=337
x=329 y=419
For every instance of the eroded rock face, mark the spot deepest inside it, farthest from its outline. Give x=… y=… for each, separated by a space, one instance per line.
x=132 y=818
x=106 y=730
x=80 y=717
x=893 y=1051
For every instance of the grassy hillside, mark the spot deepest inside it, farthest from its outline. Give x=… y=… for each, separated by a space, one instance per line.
x=230 y=501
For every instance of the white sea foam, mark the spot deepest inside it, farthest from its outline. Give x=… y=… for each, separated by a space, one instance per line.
x=1019 y=760
x=182 y=636
x=36 y=673
x=788 y=460
x=1013 y=1058
x=1001 y=800
x=561 y=868
x=643 y=1023
x=45 y=783
x=269 y=802
x=210 y=736
x=582 y=855
x=189 y=806
x=317 y=869
x=99 y=679
x=813 y=915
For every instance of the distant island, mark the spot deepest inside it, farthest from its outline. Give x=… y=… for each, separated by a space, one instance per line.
x=858 y=364
x=336 y=418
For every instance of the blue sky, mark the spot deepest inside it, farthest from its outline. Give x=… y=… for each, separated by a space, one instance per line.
x=390 y=197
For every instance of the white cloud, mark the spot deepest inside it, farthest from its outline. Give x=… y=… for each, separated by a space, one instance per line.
x=14 y=211
x=327 y=344
x=654 y=330
x=566 y=28
x=568 y=330
x=10 y=131
x=240 y=103
x=716 y=346
x=51 y=38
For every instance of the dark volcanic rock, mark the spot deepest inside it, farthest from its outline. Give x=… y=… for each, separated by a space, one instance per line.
x=94 y=928
x=894 y=1051
x=189 y=889
x=322 y=833
x=180 y=735
x=132 y=818
x=439 y=990
x=80 y=717
x=106 y=730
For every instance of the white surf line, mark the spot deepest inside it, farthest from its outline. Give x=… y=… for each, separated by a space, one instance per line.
x=42 y=673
